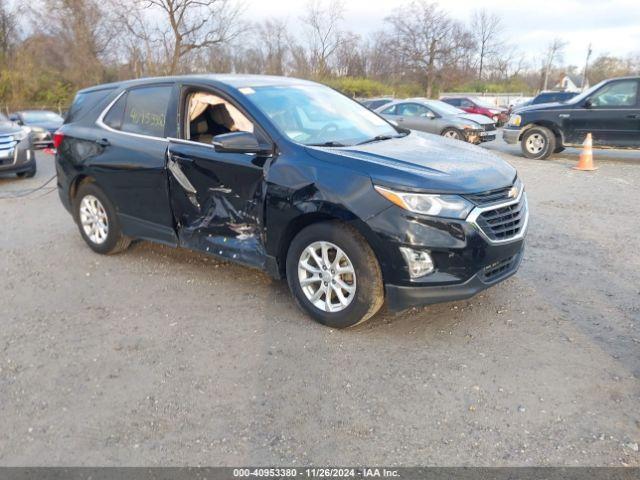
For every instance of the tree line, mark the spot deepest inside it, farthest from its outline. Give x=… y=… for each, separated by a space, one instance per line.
x=419 y=49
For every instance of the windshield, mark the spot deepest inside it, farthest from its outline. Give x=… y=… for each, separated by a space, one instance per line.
x=442 y=108
x=585 y=94
x=482 y=103
x=35 y=117
x=3 y=118
x=318 y=115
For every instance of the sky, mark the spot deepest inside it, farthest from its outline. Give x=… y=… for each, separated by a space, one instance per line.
x=612 y=26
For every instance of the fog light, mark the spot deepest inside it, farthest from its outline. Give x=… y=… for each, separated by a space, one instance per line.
x=418 y=261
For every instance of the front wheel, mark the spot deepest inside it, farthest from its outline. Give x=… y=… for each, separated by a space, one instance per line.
x=538 y=143
x=334 y=275
x=452 y=133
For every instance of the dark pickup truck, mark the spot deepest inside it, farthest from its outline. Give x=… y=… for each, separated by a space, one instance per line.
x=610 y=111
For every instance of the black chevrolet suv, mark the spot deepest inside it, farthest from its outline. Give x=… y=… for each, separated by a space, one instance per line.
x=610 y=111
x=291 y=177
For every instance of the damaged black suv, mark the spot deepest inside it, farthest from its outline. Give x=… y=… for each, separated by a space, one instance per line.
x=296 y=179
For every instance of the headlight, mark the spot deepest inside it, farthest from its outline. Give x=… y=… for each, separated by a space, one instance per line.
x=515 y=120
x=451 y=206
x=38 y=129
x=471 y=127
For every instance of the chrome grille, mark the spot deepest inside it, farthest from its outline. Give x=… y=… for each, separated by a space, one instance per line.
x=502 y=222
x=7 y=146
x=505 y=222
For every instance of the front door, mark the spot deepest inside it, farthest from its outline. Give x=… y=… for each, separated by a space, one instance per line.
x=611 y=115
x=216 y=197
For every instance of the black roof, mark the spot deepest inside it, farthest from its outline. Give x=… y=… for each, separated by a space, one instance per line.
x=232 y=80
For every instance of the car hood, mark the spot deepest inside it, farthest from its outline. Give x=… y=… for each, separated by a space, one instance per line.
x=474 y=117
x=424 y=162
x=7 y=128
x=51 y=126
x=541 y=106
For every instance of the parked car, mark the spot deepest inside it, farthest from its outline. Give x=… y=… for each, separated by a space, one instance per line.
x=16 y=153
x=375 y=103
x=293 y=178
x=545 y=97
x=42 y=123
x=478 y=106
x=610 y=111
x=434 y=116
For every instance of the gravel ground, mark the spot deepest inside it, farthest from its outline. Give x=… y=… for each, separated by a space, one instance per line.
x=166 y=357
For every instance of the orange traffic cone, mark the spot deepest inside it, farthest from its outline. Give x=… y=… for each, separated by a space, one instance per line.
x=586 y=156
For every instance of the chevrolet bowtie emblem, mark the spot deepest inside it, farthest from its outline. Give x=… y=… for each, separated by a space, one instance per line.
x=513 y=192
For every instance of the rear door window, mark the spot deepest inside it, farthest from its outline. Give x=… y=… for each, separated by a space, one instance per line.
x=142 y=111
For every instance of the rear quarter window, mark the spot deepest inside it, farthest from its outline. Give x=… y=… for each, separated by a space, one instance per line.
x=84 y=102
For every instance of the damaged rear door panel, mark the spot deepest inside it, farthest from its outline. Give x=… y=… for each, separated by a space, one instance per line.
x=217 y=201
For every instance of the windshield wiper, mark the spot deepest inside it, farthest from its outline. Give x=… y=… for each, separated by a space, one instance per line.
x=327 y=144
x=380 y=138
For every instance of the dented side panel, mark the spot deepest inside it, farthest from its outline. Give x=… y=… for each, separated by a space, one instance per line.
x=217 y=201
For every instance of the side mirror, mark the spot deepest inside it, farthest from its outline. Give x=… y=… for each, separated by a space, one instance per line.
x=238 y=142
x=430 y=115
x=588 y=104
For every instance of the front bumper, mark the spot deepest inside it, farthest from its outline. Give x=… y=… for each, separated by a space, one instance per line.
x=511 y=135
x=467 y=258
x=17 y=158
x=400 y=297
x=41 y=139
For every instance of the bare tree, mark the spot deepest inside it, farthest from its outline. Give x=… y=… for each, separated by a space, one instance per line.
x=275 y=45
x=83 y=30
x=553 y=54
x=426 y=39
x=322 y=21
x=189 y=25
x=486 y=29
x=8 y=29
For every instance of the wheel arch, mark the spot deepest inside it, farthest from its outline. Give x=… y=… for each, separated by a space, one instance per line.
x=304 y=220
x=75 y=185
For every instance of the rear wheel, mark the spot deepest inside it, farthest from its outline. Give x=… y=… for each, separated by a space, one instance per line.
x=538 y=143
x=334 y=275
x=97 y=220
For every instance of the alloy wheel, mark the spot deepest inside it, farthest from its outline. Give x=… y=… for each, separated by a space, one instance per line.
x=94 y=220
x=452 y=134
x=327 y=276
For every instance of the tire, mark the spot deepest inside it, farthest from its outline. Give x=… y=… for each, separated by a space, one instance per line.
x=452 y=133
x=28 y=174
x=109 y=240
x=538 y=143
x=359 y=304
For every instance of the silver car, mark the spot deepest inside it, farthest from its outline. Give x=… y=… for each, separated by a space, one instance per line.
x=434 y=116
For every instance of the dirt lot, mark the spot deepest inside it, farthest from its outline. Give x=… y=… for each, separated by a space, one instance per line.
x=167 y=357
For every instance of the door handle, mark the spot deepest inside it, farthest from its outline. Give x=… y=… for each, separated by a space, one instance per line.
x=103 y=142
x=633 y=116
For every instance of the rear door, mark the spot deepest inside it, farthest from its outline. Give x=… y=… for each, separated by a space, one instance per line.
x=128 y=160
x=216 y=197
x=611 y=115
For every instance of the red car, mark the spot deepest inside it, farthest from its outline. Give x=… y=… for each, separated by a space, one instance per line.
x=475 y=105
